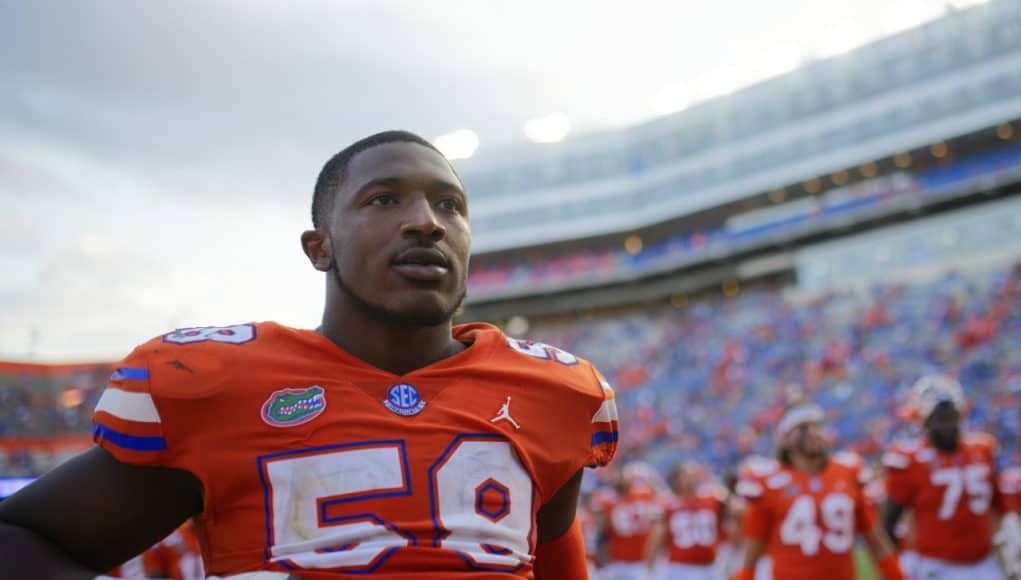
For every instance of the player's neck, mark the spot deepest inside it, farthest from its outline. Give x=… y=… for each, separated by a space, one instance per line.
x=395 y=349
x=810 y=465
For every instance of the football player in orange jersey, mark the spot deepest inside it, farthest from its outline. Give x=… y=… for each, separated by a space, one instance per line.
x=627 y=518
x=387 y=442
x=689 y=529
x=806 y=511
x=949 y=482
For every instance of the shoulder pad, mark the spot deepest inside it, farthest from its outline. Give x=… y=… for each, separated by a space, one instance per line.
x=896 y=460
x=908 y=446
x=979 y=439
x=749 y=489
x=778 y=480
x=849 y=459
x=762 y=467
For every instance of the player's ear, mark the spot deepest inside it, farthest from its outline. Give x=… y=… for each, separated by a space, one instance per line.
x=316 y=246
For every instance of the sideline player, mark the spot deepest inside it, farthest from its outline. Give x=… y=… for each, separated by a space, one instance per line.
x=690 y=529
x=387 y=442
x=628 y=517
x=806 y=512
x=949 y=482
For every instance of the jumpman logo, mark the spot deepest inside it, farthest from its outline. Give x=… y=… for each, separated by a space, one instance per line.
x=504 y=415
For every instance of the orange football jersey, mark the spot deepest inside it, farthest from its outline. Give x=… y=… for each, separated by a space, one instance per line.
x=808 y=523
x=630 y=518
x=950 y=495
x=177 y=557
x=314 y=461
x=694 y=528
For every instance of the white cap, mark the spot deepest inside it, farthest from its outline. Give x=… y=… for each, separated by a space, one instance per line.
x=931 y=390
x=797 y=416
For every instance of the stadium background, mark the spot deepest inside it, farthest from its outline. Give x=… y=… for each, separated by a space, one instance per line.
x=834 y=232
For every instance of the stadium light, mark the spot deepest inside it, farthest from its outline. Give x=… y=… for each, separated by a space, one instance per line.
x=460 y=144
x=869 y=169
x=719 y=82
x=547 y=129
x=939 y=149
x=842 y=38
x=679 y=300
x=633 y=244
x=1005 y=131
x=779 y=60
x=671 y=99
x=908 y=14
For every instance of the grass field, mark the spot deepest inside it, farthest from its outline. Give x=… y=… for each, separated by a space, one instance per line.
x=863 y=566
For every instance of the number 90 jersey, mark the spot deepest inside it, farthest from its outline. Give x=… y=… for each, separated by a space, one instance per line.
x=314 y=461
x=950 y=495
x=807 y=523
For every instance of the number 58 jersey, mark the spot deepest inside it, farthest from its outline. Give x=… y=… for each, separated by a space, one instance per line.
x=314 y=461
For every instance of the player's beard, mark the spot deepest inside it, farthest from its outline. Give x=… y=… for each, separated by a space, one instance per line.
x=391 y=316
x=945 y=440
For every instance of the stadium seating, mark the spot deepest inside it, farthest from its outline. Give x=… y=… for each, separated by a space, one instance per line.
x=707 y=382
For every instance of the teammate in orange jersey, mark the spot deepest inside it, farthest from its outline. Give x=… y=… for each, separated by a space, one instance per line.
x=690 y=529
x=176 y=557
x=628 y=517
x=387 y=442
x=806 y=511
x=949 y=482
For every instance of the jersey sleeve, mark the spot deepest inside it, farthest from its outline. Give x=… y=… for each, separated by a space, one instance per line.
x=901 y=486
x=126 y=421
x=604 y=428
x=866 y=515
x=756 y=522
x=156 y=407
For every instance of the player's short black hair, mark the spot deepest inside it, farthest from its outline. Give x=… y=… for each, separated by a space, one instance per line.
x=335 y=170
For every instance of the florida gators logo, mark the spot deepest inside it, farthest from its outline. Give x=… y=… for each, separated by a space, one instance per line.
x=289 y=407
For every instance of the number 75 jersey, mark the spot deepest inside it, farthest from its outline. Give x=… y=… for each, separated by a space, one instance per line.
x=950 y=493
x=808 y=523
x=316 y=462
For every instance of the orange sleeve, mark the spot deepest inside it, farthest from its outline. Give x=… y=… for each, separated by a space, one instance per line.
x=604 y=425
x=563 y=557
x=757 y=522
x=127 y=421
x=865 y=516
x=901 y=487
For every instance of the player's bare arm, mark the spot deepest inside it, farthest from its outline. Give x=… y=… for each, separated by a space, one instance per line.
x=82 y=518
x=753 y=550
x=890 y=514
x=556 y=516
x=654 y=545
x=879 y=543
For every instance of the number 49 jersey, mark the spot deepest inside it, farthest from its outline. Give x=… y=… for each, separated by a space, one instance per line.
x=315 y=461
x=808 y=523
x=950 y=495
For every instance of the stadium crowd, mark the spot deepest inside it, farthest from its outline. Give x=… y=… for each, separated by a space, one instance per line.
x=707 y=382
